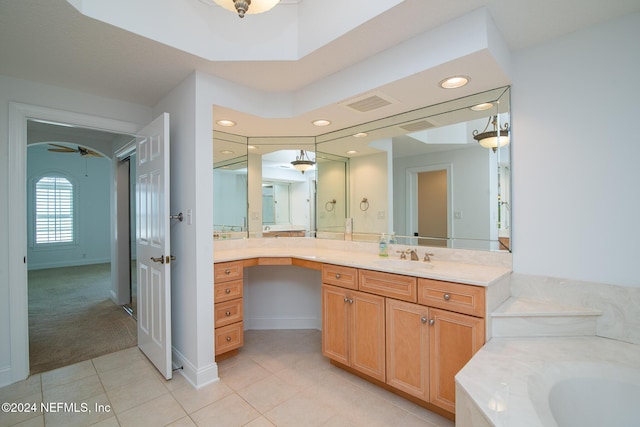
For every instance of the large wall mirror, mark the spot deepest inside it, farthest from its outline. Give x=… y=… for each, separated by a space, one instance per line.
x=426 y=178
x=230 y=177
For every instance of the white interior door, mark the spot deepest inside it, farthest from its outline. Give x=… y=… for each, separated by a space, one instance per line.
x=153 y=243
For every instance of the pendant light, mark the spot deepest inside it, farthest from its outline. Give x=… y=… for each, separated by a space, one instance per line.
x=302 y=162
x=248 y=7
x=491 y=139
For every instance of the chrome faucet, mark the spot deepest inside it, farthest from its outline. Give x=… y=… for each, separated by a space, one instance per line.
x=414 y=255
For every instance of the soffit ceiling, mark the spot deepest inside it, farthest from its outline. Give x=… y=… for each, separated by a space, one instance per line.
x=50 y=41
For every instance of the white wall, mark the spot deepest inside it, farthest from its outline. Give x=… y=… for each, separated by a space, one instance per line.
x=91 y=177
x=368 y=179
x=575 y=156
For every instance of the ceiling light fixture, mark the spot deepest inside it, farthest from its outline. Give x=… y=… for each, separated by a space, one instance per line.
x=482 y=107
x=226 y=123
x=360 y=135
x=454 y=82
x=249 y=7
x=321 y=122
x=302 y=162
x=490 y=139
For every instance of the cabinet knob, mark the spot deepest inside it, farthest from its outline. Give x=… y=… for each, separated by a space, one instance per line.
x=227 y=291
x=431 y=322
x=423 y=320
x=228 y=339
x=228 y=313
x=227 y=271
x=346 y=299
x=337 y=275
x=447 y=297
x=350 y=301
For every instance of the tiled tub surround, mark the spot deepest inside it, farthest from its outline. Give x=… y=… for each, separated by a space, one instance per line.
x=541 y=382
x=563 y=330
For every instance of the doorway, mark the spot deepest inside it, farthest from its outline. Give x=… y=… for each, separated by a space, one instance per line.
x=72 y=314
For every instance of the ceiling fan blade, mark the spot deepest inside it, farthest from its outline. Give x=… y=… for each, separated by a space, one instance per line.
x=61 y=149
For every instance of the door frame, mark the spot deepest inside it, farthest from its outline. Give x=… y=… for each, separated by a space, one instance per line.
x=412 y=195
x=19 y=113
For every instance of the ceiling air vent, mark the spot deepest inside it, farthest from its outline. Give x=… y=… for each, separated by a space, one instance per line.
x=416 y=126
x=368 y=103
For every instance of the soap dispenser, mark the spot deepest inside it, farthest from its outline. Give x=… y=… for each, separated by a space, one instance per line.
x=383 y=247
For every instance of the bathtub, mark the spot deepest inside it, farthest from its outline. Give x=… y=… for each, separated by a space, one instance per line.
x=586 y=395
x=550 y=382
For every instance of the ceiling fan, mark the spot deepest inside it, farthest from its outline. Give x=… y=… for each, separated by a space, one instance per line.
x=84 y=152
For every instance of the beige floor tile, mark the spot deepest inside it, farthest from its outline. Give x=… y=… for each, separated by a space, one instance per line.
x=109 y=422
x=300 y=411
x=183 y=422
x=76 y=391
x=267 y=393
x=231 y=411
x=37 y=421
x=28 y=387
x=193 y=399
x=260 y=422
x=67 y=374
x=137 y=371
x=135 y=393
x=242 y=374
x=80 y=415
x=118 y=360
x=12 y=418
x=160 y=411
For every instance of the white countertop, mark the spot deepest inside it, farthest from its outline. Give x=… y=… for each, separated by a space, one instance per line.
x=364 y=255
x=509 y=378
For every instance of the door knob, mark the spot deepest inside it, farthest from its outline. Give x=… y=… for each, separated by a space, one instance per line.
x=159 y=259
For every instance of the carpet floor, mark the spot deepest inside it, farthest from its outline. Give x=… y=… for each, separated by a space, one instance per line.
x=72 y=318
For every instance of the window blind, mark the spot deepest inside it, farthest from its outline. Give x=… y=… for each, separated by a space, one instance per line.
x=54 y=210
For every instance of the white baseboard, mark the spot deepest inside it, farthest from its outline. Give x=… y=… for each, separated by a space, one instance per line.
x=60 y=264
x=197 y=377
x=5 y=376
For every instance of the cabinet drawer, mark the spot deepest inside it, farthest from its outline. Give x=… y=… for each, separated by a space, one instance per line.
x=225 y=271
x=456 y=297
x=345 y=277
x=226 y=291
x=229 y=338
x=227 y=312
x=388 y=285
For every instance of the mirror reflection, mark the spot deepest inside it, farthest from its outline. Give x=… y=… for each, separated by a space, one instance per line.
x=229 y=186
x=281 y=187
x=426 y=177
x=437 y=176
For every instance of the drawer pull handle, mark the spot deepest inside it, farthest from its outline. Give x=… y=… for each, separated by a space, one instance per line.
x=227 y=271
x=228 y=339
x=447 y=297
x=431 y=322
x=423 y=320
x=337 y=275
x=227 y=291
x=228 y=313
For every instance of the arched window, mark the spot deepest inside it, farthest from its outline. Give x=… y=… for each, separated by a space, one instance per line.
x=54 y=210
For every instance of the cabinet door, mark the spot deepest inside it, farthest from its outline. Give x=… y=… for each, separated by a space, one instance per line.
x=408 y=348
x=453 y=339
x=367 y=334
x=335 y=323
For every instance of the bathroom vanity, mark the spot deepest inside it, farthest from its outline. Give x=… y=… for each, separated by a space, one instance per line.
x=408 y=326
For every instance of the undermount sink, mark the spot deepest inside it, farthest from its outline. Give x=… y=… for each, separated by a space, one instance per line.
x=404 y=264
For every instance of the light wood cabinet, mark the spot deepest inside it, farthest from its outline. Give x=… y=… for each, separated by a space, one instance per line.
x=453 y=339
x=227 y=309
x=353 y=329
x=408 y=348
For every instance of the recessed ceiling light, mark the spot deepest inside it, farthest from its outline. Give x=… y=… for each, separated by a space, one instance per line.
x=360 y=135
x=226 y=123
x=352 y=152
x=227 y=152
x=454 y=82
x=321 y=122
x=252 y=147
x=482 y=107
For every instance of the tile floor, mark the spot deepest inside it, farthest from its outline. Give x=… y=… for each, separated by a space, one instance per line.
x=280 y=378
